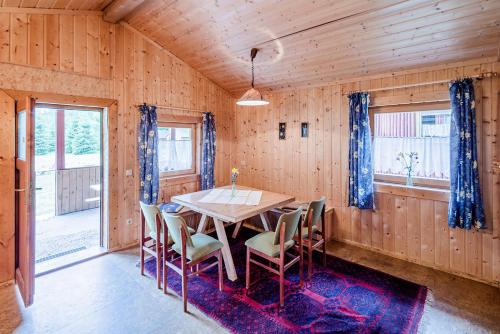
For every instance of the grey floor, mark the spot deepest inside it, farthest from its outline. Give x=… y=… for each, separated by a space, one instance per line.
x=108 y=295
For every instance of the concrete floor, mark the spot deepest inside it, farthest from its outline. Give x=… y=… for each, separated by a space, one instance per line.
x=57 y=235
x=107 y=295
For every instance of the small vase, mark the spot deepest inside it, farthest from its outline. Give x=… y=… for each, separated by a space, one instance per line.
x=409 y=181
x=233 y=189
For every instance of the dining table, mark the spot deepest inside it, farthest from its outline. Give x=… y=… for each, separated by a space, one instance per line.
x=228 y=206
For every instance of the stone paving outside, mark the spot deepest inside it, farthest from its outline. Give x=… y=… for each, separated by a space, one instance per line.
x=55 y=235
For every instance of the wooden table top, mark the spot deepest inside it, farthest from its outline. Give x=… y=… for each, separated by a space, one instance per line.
x=232 y=213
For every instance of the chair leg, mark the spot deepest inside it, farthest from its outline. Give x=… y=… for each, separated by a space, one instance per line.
x=310 y=262
x=184 y=284
x=247 y=271
x=158 y=263
x=282 y=282
x=221 y=275
x=142 y=259
x=301 y=265
x=324 y=252
x=164 y=270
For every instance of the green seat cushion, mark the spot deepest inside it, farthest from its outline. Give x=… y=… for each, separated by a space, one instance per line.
x=315 y=229
x=170 y=241
x=202 y=245
x=264 y=243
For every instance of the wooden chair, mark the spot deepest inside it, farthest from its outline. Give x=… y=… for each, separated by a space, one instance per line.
x=196 y=248
x=152 y=244
x=274 y=246
x=312 y=236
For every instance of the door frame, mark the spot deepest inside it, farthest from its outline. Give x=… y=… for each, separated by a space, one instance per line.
x=108 y=148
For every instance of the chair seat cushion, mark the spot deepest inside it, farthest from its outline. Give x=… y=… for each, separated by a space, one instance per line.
x=170 y=241
x=264 y=243
x=202 y=245
x=304 y=231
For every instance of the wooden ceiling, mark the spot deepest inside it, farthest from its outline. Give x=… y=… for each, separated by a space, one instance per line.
x=305 y=42
x=58 y=4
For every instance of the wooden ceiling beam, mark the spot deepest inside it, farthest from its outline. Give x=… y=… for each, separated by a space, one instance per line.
x=119 y=9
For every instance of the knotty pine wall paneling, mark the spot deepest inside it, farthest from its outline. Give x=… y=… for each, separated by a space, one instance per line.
x=409 y=227
x=81 y=55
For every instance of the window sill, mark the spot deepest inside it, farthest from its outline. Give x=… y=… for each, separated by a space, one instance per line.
x=180 y=179
x=436 y=194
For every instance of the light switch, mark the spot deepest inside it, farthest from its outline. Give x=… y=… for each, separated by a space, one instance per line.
x=128 y=172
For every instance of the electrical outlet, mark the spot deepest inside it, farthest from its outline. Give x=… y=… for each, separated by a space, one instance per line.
x=129 y=221
x=128 y=172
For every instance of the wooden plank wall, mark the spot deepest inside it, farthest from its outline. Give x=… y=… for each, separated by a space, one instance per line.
x=407 y=227
x=144 y=72
x=81 y=55
x=68 y=43
x=74 y=192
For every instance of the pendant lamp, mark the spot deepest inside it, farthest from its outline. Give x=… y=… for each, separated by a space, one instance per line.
x=252 y=97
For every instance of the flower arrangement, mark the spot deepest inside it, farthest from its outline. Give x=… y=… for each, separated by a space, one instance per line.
x=409 y=162
x=234 y=176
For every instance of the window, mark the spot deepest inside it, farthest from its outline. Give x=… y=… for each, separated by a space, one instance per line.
x=177 y=148
x=423 y=132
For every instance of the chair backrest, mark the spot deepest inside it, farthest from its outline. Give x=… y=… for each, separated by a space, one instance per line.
x=291 y=221
x=150 y=212
x=316 y=207
x=175 y=224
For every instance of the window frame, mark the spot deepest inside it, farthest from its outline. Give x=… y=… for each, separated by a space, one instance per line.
x=185 y=122
x=400 y=108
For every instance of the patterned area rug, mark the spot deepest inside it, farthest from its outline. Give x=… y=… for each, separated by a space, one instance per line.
x=342 y=298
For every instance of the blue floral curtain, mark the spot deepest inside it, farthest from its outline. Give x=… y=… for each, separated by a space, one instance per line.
x=148 y=159
x=466 y=206
x=360 y=153
x=208 y=152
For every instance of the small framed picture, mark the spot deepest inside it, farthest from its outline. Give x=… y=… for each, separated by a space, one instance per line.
x=282 y=131
x=304 y=129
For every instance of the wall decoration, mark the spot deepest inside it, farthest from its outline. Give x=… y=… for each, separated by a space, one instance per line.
x=304 y=129
x=282 y=131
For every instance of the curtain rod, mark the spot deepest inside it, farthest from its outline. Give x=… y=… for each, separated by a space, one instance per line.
x=477 y=76
x=173 y=108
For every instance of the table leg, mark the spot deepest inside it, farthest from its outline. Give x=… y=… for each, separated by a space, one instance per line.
x=226 y=251
x=264 y=221
x=202 y=224
x=237 y=229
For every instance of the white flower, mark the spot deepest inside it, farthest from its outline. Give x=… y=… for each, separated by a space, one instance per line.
x=354 y=127
x=355 y=155
x=462 y=193
x=357 y=108
x=474 y=164
x=146 y=196
x=473 y=104
x=364 y=170
x=469 y=155
x=361 y=191
x=142 y=183
x=149 y=151
x=148 y=177
x=365 y=123
x=467 y=95
x=467 y=135
x=151 y=133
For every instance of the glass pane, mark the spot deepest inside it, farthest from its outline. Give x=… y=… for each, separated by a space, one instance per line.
x=426 y=133
x=45 y=139
x=21 y=135
x=175 y=149
x=82 y=138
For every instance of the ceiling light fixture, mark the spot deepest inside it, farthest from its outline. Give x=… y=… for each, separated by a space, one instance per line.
x=252 y=97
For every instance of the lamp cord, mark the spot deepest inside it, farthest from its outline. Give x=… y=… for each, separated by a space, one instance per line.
x=252 y=74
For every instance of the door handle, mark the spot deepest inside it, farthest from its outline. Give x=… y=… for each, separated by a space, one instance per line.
x=38 y=188
x=19 y=190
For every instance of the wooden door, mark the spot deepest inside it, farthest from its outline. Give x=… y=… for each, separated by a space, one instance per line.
x=25 y=199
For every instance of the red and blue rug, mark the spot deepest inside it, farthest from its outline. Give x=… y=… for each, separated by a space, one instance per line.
x=342 y=298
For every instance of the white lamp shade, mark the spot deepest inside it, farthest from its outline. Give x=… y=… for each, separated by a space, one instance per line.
x=252 y=97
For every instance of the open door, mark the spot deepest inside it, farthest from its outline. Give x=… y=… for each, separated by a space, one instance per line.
x=25 y=188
